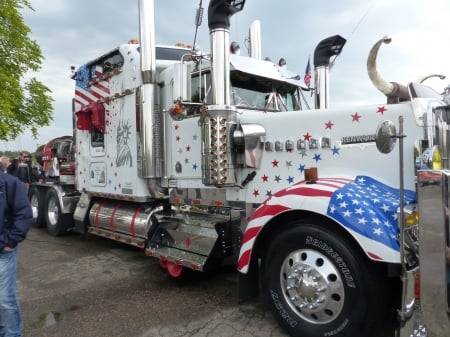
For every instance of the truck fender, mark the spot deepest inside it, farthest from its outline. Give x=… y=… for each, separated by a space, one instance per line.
x=364 y=207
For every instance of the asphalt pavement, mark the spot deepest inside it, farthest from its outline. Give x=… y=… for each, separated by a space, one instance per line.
x=84 y=286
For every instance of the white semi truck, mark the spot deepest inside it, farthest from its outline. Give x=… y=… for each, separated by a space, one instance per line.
x=205 y=159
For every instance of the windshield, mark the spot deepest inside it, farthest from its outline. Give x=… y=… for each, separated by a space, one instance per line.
x=422 y=91
x=271 y=96
x=258 y=100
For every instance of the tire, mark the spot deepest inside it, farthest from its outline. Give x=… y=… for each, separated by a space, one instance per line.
x=57 y=222
x=317 y=284
x=36 y=197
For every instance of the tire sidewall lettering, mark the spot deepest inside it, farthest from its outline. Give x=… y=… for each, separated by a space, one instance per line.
x=338 y=260
x=283 y=313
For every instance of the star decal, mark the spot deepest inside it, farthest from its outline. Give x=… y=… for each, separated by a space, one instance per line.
x=188 y=148
x=255 y=193
x=290 y=179
x=335 y=150
x=289 y=164
x=265 y=178
x=269 y=194
x=377 y=231
x=356 y=117
x=195 y=167
x=317 y=157
x=328 y=125
x=186 y=160
x=303 y=153
x=301 y=168
x=381 y=110
x=176 y=126
x=361 y=180
x=277 y=179
x=275 y=163
x=180 y=151
x=178 y=138
x=194 y=137
x=307 y=136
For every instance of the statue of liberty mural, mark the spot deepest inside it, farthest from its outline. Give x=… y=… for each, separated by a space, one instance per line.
x=124 y=157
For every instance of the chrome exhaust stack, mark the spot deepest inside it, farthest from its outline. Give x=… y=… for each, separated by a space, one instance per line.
x=220 y=119
x=255 y=40
x=151 y=122
x=331 y=46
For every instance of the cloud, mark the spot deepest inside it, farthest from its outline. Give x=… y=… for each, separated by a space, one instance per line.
x=74 y=32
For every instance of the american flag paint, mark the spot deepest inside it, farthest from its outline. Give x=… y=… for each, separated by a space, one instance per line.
x=364 y=206
x=307 y=77
x=84 y=93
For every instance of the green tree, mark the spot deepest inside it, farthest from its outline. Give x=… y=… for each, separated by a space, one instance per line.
x=25 y=103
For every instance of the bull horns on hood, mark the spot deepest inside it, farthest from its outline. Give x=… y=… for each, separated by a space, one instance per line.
x=394 y=92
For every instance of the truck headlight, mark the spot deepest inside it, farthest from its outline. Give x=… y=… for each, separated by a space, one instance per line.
x=411 y=236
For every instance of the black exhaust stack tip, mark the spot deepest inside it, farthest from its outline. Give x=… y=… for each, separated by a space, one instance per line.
x=326 y=48
x=220 y=11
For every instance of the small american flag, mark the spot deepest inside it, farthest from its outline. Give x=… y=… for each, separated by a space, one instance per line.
x=307 y=77
x=85 y=93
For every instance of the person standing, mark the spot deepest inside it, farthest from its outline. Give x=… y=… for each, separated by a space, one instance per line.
x=24 y=167
x=15 y=221
x=53 y=172
x=24 y=171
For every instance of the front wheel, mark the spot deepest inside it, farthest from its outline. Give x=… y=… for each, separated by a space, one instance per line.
x=57 y=222
x=317 y=284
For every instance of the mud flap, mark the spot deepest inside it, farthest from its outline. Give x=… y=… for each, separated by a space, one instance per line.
x=248 y=283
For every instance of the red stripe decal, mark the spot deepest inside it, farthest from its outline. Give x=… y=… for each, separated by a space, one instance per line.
x=97 y=213
x=305 y=191
x=111 y=219
x=244 y=260
x=132 y=229
x=251 y=233
x=268 y=210
x=374 y=256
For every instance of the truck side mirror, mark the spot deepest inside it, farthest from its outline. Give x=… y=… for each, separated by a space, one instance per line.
x=181 y=82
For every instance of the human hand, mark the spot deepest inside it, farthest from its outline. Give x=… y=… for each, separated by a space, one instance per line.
x=8 y=249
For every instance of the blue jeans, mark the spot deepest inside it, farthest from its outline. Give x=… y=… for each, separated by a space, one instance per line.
x=11 y=324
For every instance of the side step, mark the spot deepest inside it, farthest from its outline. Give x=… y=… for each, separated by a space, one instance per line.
x=193 y=239
x=116 y=236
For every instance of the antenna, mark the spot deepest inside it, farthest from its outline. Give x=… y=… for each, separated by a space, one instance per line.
x=198 y=21
x=354 y=29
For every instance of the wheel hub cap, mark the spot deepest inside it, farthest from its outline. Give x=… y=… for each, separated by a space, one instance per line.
x=312 y=286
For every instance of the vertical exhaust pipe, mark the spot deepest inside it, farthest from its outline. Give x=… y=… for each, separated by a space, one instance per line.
x=331 y=46
x=219 y=14
x=218 y=126
x=147 y=38
x=151 y=159
x=255 y=40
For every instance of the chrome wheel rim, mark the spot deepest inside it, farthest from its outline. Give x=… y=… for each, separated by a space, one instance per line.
x=312 y=286
x=34 y=201
x=53 y=212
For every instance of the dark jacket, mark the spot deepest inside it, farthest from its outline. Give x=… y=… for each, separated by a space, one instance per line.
x=15 y=211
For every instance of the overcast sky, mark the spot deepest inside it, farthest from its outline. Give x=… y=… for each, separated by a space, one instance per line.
x=73 y=32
